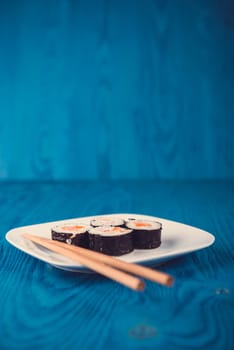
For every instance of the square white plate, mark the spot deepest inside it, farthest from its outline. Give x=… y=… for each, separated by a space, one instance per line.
x=177 y=239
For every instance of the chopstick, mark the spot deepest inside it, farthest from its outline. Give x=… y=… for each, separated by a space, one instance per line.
x=116 y=275
x=79 y=254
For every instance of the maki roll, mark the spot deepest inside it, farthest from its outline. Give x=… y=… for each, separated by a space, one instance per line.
x=146 y=233
x=107 y=221
x=111 y=240
x=74 y=233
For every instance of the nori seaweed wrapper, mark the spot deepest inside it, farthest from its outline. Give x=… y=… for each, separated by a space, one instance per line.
x=111 y=245
x=145 y=239
x=79 y=239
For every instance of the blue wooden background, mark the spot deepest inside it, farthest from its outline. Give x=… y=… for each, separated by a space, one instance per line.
x=116 y=89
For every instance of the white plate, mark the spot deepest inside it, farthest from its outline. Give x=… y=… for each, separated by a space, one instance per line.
x=177 y=239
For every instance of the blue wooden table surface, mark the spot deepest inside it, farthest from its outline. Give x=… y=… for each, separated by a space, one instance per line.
x=45 y=308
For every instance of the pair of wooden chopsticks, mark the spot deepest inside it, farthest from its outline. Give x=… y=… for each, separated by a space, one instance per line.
x=105 y=265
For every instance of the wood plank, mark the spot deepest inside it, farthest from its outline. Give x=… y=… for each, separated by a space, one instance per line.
x=111 y=90
x=43 y=307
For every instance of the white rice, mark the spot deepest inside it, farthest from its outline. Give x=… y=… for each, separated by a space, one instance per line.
x=107 y=221
x=143 y=225
x=74 y=228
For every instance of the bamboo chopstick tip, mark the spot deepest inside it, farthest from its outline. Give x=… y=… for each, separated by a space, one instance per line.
x=140 y=286
x=170 y=281
x=26 y=235
x=31 y=237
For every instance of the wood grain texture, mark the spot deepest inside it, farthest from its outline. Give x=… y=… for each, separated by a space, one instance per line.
x=45 y=308
x=116 y=89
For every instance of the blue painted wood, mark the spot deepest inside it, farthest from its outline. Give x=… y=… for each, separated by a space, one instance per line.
x=116 y=89
x=45 y=308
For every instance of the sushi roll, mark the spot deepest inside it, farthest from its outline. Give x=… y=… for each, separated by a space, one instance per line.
x=111 y=240
x=146 y=233
x=74 y=233
x=107 y=221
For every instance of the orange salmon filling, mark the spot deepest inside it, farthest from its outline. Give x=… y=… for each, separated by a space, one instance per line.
x=71 y=228
x=141 y=224
x=118 y=229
